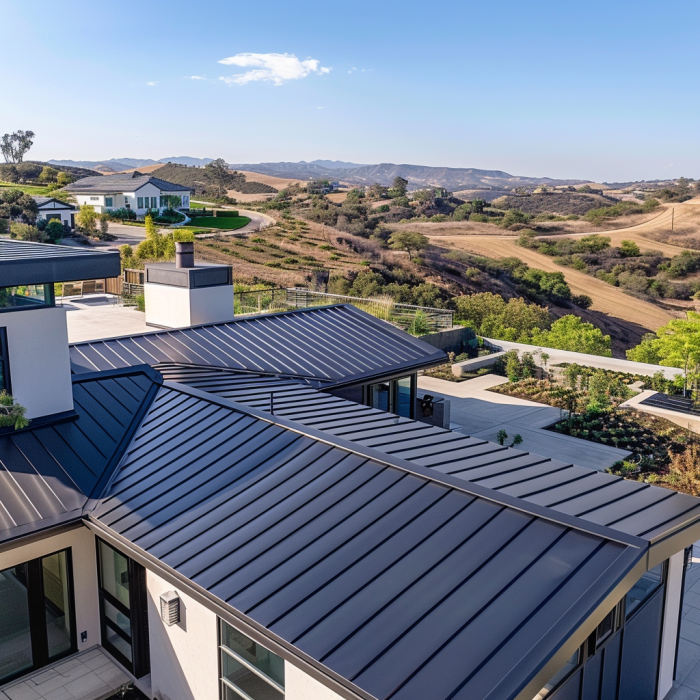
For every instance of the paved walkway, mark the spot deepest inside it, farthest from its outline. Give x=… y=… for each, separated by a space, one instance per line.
x=90 y=675
x=687 y=683
x=482 y=413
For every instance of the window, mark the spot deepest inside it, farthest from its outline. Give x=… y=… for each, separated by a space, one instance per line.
x=26 y=296
x=559 y=677
x=123 y=612
x=394 y=395
x=94 y=199
x=248 y=670
x=139 y=202
x=4 y=363
x=185 y=201
x=37 y=624
x=647 y=585
x=109 y=202
x=154 y=202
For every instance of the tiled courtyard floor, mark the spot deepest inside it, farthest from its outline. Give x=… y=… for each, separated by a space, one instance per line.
x=91 y=675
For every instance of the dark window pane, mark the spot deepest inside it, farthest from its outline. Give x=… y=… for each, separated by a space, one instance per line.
x=120 y=620
x=25 y=295
x=250 y=683
x=641 y=590
x=265 y=661
x=57 y=602
x=379 y=398
x=15 y=638
x=114 y=573
x=117 y=642
x=606 y=627
x=403 y=397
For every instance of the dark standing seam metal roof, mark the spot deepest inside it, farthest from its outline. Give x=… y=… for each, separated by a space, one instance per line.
x=116 y=184
x=48 y=473
x=22 y=262
x=338 y=344
x=379 y=573
x=631 y=507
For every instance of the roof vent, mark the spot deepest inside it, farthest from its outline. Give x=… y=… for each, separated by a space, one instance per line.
x=170 y=608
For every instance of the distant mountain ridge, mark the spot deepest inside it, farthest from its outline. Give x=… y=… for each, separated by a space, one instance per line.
x=418 y=176
x=119 y=164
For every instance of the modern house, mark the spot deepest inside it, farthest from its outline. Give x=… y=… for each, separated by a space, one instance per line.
x=52 y=208
x=140 y=193
x=229 y=512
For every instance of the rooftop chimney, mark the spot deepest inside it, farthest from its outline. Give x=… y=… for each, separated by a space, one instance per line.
x=187 y=293
x=184 y=255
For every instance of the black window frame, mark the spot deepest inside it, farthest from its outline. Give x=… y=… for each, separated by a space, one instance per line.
x=37 y=614
x=137 y=613
x=6 y=383
x=393 y=383
x=223 y=649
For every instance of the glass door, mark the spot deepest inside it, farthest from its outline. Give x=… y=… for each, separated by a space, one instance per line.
x=37 y=617
x=123 y=611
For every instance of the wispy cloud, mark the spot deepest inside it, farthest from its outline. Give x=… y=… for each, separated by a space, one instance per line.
x=152 y=83
x=195 y=77
x=359 y=70
x=275 y=68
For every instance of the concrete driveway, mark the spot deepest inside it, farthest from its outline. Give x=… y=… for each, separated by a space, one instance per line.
x=480 y=413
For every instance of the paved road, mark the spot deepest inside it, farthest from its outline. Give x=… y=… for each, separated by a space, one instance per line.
x=257 y=220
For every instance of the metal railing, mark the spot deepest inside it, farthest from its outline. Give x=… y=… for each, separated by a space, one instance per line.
x=417 y=320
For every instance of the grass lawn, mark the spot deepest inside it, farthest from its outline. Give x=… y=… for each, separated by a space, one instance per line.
x=27 y=189
x=230 y=223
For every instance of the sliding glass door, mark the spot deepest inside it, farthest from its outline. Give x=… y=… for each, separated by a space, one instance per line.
x=123 y=609
x=37 y=620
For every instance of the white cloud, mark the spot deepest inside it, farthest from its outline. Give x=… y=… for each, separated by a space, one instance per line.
x=194 y=77
x=276 y=68
x=152 y=83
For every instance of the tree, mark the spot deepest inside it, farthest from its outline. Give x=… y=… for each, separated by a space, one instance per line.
x=629 y=249
x=86 y=220
x=54 y=230
x=218 y=174
x=399 y=187
x=10 y=173
x=14 y=146
x=14 y=204
x=501 y=436
x=410 y=241
x=571 y=333
x=64 y=178
x=156 y=246
x=26 y=232
x=48 y=174
x=104 y=226
x=517 y=440
x=11 y=413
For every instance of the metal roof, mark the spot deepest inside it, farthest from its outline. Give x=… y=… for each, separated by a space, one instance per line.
x=116 y=184
x=22 y=262
x=336 y=344
x=49 y=471
x=630 y=507
x=381 y=574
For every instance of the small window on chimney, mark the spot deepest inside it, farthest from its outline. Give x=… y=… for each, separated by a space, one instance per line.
x=170 y=608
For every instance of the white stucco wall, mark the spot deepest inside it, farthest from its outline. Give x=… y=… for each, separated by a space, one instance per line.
x=300 y=686
x=184 y=657
x=82 y=543
x=37 y=342
x=177 y=307
x=669 y=632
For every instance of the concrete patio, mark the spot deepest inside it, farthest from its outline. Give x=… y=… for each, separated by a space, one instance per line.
x=97 y=316
x=480 y=413
x=90 y=675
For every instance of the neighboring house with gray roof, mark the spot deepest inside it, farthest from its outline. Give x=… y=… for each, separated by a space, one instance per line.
x=135 y=191
x=51 y=208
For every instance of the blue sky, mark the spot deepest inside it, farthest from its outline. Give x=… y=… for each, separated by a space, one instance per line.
x=595 y=90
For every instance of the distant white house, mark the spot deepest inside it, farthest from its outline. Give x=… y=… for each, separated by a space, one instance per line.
x=137 y=192
x=51 y=208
